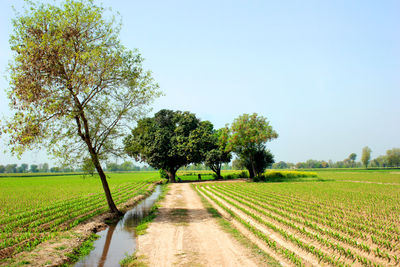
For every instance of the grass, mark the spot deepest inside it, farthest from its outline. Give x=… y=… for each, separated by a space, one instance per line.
x=144 y=223
x=133 y=260
x=84 y=249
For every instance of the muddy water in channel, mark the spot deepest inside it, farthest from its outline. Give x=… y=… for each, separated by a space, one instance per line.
x=119 y=240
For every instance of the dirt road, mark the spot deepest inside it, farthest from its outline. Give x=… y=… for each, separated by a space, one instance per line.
x=185 y=234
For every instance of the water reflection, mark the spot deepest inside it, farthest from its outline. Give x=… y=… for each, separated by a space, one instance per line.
x=119 y=239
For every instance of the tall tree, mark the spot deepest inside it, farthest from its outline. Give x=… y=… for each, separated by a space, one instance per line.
x=366 y=156
x=393 y=157
x=169 y=140
x=34 y=168
x=73 y=85
x=11 y=168
x=24 y=167
x=262 y=160
x=352 y=158
x=217 y=154
x=249 y=135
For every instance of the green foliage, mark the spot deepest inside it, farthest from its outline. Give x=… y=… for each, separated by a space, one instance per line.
x=163 y=174
x=261 y=160
x=366 y=156
x=88 y=166
x=73 y=85
x=236 y=175
x=51 y=211
x=144 y=223
x=284 y=175
x=83 y=250
x=393 y=157
x=249 y=134
x=218 y=154
x=169 y=140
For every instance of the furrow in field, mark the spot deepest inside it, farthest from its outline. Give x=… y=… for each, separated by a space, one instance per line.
x=342 y=212
x=302 y=248
x=17 y=236
x=267 y=240
x=305 y=247
x=309 y=235
x=246 y=232
x=329 y=227
x=334 y=220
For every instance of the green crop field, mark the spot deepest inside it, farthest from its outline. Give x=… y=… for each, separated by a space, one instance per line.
x=362 y=175
x=346 y=218
x=35 y=209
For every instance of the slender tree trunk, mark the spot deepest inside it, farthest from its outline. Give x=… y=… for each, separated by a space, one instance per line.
x=106 y=188
x=83 y=131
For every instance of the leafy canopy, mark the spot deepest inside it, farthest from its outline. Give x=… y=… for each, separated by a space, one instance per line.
x=366 y=156
x=169 y=140
x=218 y=153
x=249 y=134
x=71 y=79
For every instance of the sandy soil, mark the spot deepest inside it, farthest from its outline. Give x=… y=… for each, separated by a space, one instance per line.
x=185 y=234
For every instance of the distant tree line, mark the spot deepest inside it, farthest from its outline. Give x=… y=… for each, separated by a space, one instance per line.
x=44 y=168
x=127 y=166
x=391 y=159
x=24 y=168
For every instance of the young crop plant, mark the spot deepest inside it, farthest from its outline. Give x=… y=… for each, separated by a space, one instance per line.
x=337 y=229
x=45 y=220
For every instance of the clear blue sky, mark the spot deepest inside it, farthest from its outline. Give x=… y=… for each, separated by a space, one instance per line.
x=325 y=73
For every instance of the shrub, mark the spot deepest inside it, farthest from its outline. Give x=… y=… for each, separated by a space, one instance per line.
x=242 y=174
x=163 y=174
x=282 y=175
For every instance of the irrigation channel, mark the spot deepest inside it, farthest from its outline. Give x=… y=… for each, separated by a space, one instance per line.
x=119 y=239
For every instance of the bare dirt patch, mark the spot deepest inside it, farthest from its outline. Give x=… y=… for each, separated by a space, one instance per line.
x=185 y=234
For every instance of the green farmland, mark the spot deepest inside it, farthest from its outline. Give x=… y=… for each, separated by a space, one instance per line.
x=35 y=209
x=346 y=218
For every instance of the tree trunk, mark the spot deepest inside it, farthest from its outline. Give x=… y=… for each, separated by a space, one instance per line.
x=110 y=201
x=218 y=174
x=171 y=175
x=251 y=172
x=84 y=134
x=253 y=167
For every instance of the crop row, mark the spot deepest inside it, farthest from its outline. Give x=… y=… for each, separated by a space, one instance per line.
x=298 y=227
x=326 y=217
x=27 y=229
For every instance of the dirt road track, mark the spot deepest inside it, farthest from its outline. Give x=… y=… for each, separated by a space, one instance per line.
x=185 y=234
